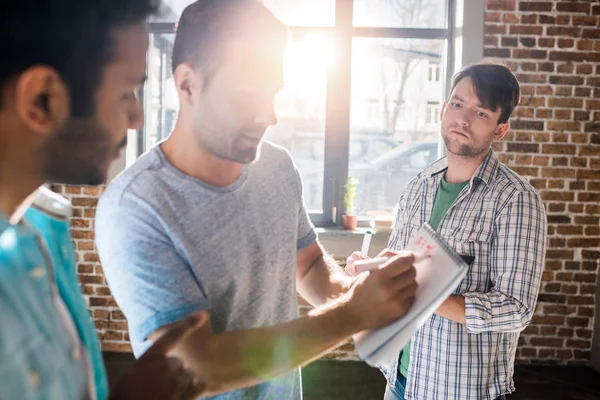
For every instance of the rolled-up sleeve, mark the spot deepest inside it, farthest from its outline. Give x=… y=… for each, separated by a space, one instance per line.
x=517 y=261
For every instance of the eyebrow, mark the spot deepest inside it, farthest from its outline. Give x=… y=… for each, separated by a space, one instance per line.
x=461 y=100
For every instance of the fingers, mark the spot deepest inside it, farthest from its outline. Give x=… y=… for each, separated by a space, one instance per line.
x=355 y=256
x=176 y=333
x=397 y=265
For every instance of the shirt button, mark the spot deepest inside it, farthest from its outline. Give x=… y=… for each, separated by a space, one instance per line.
x=75 y=353
x=37 y=272
x=34 y=378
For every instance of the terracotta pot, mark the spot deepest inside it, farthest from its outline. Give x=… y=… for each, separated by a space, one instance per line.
x=349 y=222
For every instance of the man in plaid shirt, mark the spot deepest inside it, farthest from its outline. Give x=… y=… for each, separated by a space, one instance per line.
x=486 y=211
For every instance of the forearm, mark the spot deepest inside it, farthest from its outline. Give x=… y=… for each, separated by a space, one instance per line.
x=233 y=360
x=324 y=280
x=453 y=308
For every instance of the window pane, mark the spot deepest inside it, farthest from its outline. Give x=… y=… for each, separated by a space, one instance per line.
x=400 y=13
x=161 y=102
x=290 y=12
x=394 y=120
x=300 y=108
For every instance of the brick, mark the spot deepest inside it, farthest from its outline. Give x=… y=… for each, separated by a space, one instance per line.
x=93 y=190
x=579 y=344
x=540 y=161
x=530 y=78
x=563 y=126
x=585 y=355
x=85 y=245
x=578 y=137
x=543 y=113
x=527 y=41
x=559 y=148
x=547 y=19
x=509 y=42
x=564 y=354
x=584 y=69
x=583 y=115
x=577 y=185
x=570 y=6
x=533 y=54
x=558 y=309
x=116 y=347
x=556 y=207
x=80 y=223
x=494 y=29
x=91 y=279
x=505 y=5
x=560 y=137
x=585 y=311
x=588 y=174
x=527 y=18
x=558 y=219
x=565 y=43
x=564 y=56
x=528 y=352
x=580 y=300
x=565 y=103
x=552 y=287
x=84 y=202
x=103 y=291
x=492 y=17
x=557 y=242
x=91 y=257
x=546 y=342
x=72 y=189
x=544 y=90
x=585 y=45
x=85 y=269
x=565 y=332
x=78 y=234
x=585 y=20
x=546 y=353
x=587 y=289
x=523 y=147
x=101 y=314
x=587 y=221
x=570 y=230
x=575 y=208
x=563 y=31
x=535 y=6
x=583 y=91
x=566 y=80
x=552 y=298
x=496 y=53
x=590 y=34
x=584 y=277
x=583 y=242
x=493 y=41
x=547 y=42
x=102 y=301
x=89 y=213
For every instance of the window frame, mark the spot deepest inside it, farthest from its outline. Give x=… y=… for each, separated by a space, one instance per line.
x=338 y=92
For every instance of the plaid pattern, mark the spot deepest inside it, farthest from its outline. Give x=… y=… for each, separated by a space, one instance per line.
x=500 y=219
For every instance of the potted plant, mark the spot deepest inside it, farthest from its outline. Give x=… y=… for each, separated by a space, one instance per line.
x=349 y=218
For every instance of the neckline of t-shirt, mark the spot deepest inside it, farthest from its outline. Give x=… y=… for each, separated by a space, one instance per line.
x=223 y=189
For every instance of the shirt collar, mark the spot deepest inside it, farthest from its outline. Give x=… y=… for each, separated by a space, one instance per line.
x=485 y=172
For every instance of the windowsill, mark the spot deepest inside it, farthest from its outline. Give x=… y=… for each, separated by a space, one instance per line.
x=337 y=232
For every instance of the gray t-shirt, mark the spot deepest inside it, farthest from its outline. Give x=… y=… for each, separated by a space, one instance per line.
x=171 y=245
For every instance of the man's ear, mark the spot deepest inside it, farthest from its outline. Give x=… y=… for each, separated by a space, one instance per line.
x=501 y=131
x=188 y=81
x=42 y=99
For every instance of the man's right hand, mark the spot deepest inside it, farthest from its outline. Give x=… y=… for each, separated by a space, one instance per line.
x=156 y=376
x=385 y=294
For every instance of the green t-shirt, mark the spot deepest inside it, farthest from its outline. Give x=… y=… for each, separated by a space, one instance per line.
x=446 y=194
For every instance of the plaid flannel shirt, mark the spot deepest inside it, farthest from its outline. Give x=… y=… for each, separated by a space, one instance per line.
x=499 y=219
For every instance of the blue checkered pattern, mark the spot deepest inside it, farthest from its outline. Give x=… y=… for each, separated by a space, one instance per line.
x=500 y=219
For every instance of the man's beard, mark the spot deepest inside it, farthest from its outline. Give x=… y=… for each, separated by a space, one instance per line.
x=79 y=154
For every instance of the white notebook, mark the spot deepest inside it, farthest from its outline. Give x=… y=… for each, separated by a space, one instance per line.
x=438 y=276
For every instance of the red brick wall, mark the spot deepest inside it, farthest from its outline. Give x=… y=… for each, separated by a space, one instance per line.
x=554 y=48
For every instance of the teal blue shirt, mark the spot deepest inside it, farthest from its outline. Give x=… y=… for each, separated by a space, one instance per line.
x=36 y=356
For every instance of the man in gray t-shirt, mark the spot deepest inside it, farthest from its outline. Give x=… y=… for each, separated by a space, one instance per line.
x=213 y=219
